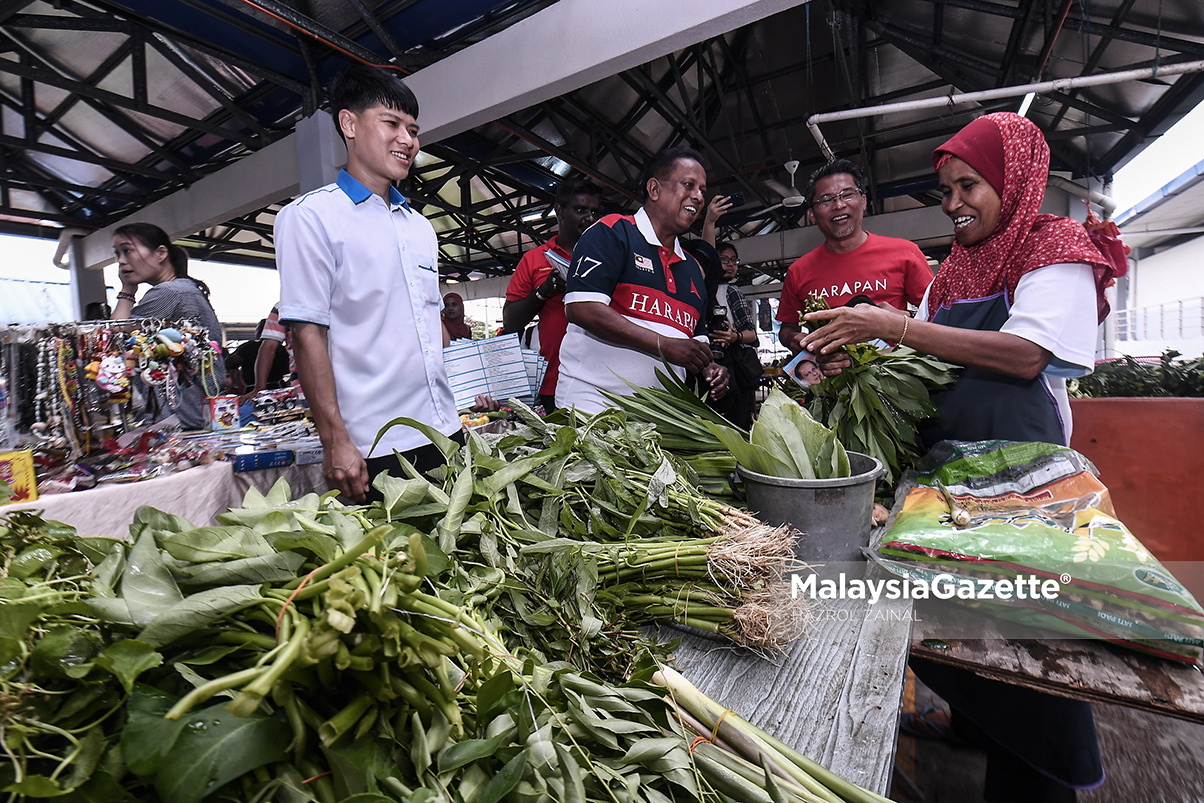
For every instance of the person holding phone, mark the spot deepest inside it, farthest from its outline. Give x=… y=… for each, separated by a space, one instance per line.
x=736 y=339
x=537 y=286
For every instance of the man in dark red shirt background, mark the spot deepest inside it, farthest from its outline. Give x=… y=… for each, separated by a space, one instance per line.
x=537 y=286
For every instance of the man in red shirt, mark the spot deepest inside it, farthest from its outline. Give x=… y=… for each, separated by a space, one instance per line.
x=851 y=262
x=537 y=286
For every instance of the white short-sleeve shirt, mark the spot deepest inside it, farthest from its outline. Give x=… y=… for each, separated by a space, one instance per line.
x=367 y=270
x=1054 y=307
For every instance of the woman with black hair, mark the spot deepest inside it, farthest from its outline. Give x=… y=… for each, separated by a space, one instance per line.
x=146 y=256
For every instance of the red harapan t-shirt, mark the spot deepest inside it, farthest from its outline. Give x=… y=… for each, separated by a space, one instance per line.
x=884 y=268
x=532 y=271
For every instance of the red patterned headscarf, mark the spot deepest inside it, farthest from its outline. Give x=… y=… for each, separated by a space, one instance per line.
x=1005 y=148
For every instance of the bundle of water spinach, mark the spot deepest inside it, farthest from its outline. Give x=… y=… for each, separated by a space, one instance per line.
x=304 y=651
x=570 y=534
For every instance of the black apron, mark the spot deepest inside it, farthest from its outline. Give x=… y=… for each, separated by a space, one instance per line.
x=1039 y=747
x=985 y=405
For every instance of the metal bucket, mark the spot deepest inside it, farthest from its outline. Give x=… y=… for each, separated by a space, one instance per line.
x=835 y=516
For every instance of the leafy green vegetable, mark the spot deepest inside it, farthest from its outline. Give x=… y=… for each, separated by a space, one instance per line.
x=786 y=442
x=420 y=650
x=1128 y=376
x=876 y=405
x=215 y=747
x=127 y=659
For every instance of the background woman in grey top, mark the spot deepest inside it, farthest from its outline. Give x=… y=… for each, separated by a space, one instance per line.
x=146 y=256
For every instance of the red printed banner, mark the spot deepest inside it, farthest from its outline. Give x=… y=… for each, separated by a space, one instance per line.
x=646 y=304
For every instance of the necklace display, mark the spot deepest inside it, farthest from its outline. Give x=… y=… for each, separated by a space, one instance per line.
x=80 y=388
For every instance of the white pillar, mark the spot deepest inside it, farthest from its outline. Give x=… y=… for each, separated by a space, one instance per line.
x=87 y=285
x=320 y=151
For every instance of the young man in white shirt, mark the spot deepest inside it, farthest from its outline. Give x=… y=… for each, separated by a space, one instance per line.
x=360 y=290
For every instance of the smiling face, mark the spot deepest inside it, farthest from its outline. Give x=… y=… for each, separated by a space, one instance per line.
x=138 y=264
x=969 y=201
x=839 y=218
x=676 y=200
x=381 y=146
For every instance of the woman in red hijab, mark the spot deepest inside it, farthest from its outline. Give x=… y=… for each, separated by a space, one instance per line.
x=453 y=318
x=1016 y=302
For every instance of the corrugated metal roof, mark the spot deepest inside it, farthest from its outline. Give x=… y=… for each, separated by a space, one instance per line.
x=134 y=99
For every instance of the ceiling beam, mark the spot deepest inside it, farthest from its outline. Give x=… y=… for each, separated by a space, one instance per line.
x=1185 y=94
x=56 y=79
x=115 y=165
x=184 y=38
x=467 y=89
x=381 y=32
x=1015 y=41
x=1130 y=34
x=1097 y=55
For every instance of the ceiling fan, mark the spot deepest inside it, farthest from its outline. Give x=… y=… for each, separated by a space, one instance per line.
x=791 y=197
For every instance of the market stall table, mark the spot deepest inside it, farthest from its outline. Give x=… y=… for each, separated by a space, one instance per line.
x=1080 y=669
x=198 y=494
x=834 y=696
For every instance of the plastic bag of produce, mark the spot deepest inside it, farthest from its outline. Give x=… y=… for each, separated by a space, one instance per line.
x=994 y=510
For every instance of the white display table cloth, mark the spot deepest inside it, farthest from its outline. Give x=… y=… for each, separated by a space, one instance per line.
x=198 y=494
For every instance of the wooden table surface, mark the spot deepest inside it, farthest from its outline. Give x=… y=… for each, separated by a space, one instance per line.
x=834 y=696
x=1081 y=669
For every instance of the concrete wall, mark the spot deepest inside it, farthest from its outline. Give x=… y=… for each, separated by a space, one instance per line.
x=1170 y=276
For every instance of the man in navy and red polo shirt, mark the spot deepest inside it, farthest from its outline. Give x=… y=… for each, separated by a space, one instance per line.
x=537 y=286
x=635 y=296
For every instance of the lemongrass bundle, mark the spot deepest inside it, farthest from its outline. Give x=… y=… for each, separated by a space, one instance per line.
x=752 y=756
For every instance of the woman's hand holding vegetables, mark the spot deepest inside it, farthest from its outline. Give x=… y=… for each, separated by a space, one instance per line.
x=846 y=325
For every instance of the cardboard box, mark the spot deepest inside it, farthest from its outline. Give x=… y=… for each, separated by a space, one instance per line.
x=16 y=468
x=305 y=456
x=221 y=412
x=253 y=461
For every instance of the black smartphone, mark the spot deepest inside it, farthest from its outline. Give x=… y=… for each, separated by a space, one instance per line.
x=737 y=199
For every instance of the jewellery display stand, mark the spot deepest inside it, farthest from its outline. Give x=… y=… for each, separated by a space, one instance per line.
x=71 y=386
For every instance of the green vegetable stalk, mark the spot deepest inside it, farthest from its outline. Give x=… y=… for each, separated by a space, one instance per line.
x=877 y=404
x=307 y=684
